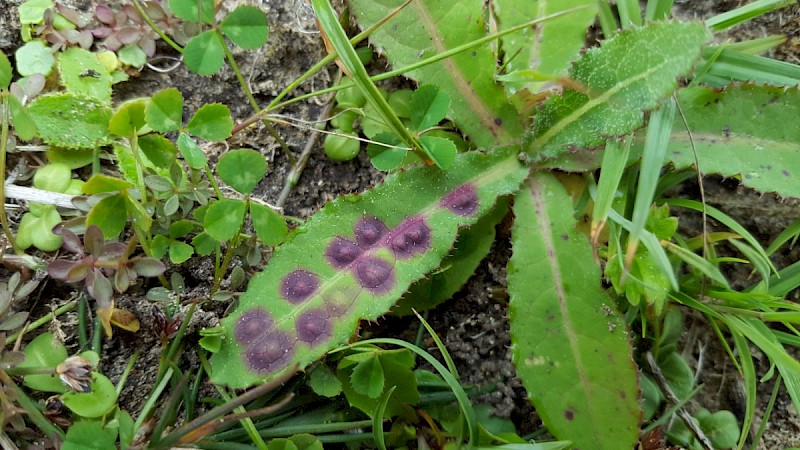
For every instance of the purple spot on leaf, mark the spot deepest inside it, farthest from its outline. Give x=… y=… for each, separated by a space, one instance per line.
x=299 y=285
x=368 y=231
x=410 y=237
x=569 y=414
x=341 y=252
x=252 y=325
x=313 y=326
x=270 y=353
x=374 y=274
x=462 y=200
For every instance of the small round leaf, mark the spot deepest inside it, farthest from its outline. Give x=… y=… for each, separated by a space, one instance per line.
x=270 y=227
x=242 y=169
x=428 y=106
x=128 y=118
x=44 y=351
x=34 y=57
x=109 y=215
x=204 y=54
x=92 y=404
x=165 y=111
x=5 y=71
x=212 y=122
x=191 y=152
x=247 y=27
x=224 y=218
x=158 y=149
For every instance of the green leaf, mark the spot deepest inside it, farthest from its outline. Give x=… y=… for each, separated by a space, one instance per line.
x=32 y=11
x=204 y=244
x=82 y=72
x=191 y=152
x=741 y=132
x=472 y=246
x=442 y=150
x=204 y=53
x=386 y=158
x=24 y=126
x=246 y=26
x=616 y=94
x=304 y=294
x=191 y=10
x=158 y=149
x=180 y=252
x=103 y=183
x=367 y=377
x=721 y=428
x=547 y=47
x=429 y=105
x=678 y=374
x=164 y=112
x=270 y=227
x=374 y=375
x=89 y=435
x=44 y=351
x=6 y=72
x=224 y=218
x=211 y=122
x=324 y=382
x=70 y=120
x=109 y=214
x=34 y=57
x=569 y=345
x=242 y=169
x=128 y=118
x=159 y=246
x=478 y=105
x=132 y=55
x=101 y=399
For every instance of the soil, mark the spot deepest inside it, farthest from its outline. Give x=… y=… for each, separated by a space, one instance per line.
x=473 y=324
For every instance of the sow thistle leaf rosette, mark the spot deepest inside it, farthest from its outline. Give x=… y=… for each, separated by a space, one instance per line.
x=353 y=260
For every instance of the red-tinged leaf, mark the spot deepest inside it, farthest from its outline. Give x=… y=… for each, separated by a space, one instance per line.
x=149 y=267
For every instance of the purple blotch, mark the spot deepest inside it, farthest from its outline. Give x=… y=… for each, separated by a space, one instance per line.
x=270 y=353
x=252 y=325
x=569 y=414
x=341 y=252
x=374 y=274
x=299 y=285
x=410 y=237
x=368 y=231
x=462 y=200
x=313 y=326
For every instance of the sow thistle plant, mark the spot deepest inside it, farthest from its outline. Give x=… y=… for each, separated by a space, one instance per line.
x=654 y=94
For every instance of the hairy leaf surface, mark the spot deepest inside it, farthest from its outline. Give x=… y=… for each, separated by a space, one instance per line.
x=352 y=261
x=616 y=95
x=569 y=345
x=744 y=131
x=427 y=27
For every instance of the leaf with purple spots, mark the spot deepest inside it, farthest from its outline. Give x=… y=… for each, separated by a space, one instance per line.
x=353 y=260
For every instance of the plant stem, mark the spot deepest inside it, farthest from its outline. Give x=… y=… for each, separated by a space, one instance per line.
x=220 y=272
x=83 y=332
x=151 y=401
x=127 y=372
x=176 y=342
x=43 y=320
x=213 y=182
x=3 y=142
x=249 y=94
